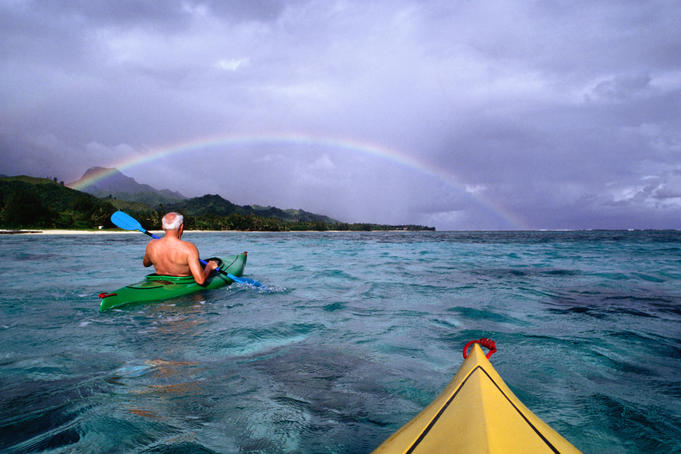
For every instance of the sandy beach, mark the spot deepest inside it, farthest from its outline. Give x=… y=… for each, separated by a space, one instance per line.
x=61 y=232
x=91 y=232
x=158 y=232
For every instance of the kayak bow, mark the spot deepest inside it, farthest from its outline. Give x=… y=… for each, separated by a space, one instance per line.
x=156 y=287
x=476 y=413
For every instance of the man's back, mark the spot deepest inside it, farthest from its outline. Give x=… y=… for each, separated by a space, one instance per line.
x=171 y=256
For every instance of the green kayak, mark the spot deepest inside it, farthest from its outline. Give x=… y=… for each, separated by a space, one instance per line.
x=156 y=287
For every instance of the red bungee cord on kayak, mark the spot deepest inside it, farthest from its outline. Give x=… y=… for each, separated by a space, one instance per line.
x=489 y=344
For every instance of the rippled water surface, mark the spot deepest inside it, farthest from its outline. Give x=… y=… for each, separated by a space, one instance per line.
x=354 y=335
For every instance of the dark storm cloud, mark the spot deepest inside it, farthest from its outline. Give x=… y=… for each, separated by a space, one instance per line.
x=167 y=15
x=528 y=114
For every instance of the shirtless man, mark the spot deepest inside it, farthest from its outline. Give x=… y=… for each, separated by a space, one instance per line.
x=173 y=257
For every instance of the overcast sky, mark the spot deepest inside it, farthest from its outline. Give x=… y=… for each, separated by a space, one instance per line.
x=504 y=114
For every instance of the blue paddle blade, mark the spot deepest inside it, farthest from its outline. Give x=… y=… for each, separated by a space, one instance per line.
x=244 y=280
x=126 y=222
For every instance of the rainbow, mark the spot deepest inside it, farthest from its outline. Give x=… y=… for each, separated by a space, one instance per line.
x=513 y=220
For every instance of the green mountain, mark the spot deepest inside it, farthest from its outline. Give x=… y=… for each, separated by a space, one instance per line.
x=292 y=215
x=214 y=205
x=105 y=182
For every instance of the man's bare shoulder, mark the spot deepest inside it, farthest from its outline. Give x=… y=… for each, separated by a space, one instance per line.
x=152 y=245
x=189 y=247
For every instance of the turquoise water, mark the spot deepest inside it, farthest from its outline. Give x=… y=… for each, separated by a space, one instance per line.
x=354 y=335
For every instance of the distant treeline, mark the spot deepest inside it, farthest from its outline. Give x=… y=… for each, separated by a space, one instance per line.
x=30 y=203
x=250 y=222
x=259 y=223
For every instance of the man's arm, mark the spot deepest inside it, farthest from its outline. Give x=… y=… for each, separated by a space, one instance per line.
x=146 y=261
x=200 y=274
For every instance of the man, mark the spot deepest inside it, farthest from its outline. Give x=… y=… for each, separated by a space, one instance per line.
x=172 y=256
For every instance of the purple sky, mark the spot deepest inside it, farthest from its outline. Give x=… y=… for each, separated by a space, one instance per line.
x=504 y=114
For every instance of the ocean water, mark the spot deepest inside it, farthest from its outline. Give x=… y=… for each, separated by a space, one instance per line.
x=354 y=335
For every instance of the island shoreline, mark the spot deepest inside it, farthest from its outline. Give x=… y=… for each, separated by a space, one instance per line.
x=126 y=232
x=92 y=232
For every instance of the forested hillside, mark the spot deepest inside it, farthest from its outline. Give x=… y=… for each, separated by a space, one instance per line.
x=27 y=202
x=30 y=203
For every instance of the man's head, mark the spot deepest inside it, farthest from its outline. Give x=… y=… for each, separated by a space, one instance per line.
x=172 y=221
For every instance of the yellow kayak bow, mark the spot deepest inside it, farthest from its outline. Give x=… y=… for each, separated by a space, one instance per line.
x=476 y=413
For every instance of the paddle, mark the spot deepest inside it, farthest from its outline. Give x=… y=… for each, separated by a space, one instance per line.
x=127 y=222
